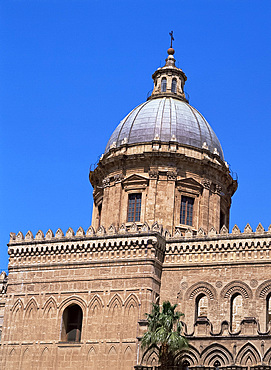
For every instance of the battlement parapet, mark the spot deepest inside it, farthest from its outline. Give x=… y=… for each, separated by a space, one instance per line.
x=237 y=247
x=191 y=234
x=135 y=228
x=129 y=240
x=112 y=231
x=86 y=247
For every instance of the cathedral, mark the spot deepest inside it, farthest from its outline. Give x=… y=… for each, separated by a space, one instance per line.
x=160 y=231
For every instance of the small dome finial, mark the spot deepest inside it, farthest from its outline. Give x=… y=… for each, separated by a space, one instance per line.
x=171 y=51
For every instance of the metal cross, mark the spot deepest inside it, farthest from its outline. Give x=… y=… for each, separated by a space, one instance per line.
x=171 y=37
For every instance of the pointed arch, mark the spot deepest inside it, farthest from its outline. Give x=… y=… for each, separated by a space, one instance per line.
x=127 y=351
x=248 y=351
x=112 y=351
x=267 y=357
x=92 y=358
x=128 y=358
x=113 y=358
x=190 y=354
x=18 y=305
x=115 y=317
x=96 y=301
x=30 y=308
x=131 y=305
x=74 y=299
x=131 y=299
x=91 y=352
x=44 y=352
x=12 y=360
x=216 y=352
x=17 y=312
x=30 y=322
x=45 y=360
x=151 y=356
x=49 y=322
x=130 y=319
x=95 y=318
x=26 y=362
x=116 y=300
x=71 y=323
x=51 y=302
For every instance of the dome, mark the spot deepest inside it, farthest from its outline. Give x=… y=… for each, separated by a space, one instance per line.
x=165 y=119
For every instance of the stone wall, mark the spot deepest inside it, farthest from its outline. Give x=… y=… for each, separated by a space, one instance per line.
x=114 y=275
x=113 y=278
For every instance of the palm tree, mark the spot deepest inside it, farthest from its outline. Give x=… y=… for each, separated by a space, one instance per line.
x=164 y=331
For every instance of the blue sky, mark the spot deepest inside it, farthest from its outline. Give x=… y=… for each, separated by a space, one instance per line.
x=71 y=70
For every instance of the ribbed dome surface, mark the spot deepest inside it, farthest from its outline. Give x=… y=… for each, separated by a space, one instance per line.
x=164 y=118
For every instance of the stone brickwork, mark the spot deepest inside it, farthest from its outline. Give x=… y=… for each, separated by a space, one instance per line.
x=114 y=275
x=162 y=177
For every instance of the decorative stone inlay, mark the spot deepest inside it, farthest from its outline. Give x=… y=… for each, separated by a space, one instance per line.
x=253 y=283
x=218 y=284
x=184 y=285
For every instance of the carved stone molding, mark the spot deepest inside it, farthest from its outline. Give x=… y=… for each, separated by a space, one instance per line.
x=206 y=184
x=118 y=178
x=218 y=189
x=171 y=175
x=153 y=174
x=106 y=182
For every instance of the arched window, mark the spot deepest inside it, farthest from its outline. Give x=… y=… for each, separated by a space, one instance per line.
x=201 y=306
x=236 y=311
x=164 y=84
x=217 y=365
x=268 y=310
x=174 y=86
x=72 y=323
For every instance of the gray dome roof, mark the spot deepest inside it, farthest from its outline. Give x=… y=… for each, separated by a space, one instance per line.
x=165 y=118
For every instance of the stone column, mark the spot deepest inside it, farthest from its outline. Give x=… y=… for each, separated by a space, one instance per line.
x=204 y=205
x=151 y=198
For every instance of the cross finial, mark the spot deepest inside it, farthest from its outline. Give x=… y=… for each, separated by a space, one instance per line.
x=171 y=38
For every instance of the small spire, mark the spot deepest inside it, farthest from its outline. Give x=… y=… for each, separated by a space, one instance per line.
x=171 y=51
x=169 y=80
x=171 y=38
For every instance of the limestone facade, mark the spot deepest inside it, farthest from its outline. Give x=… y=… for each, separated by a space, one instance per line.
x=114 y=275
x=159 y=232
